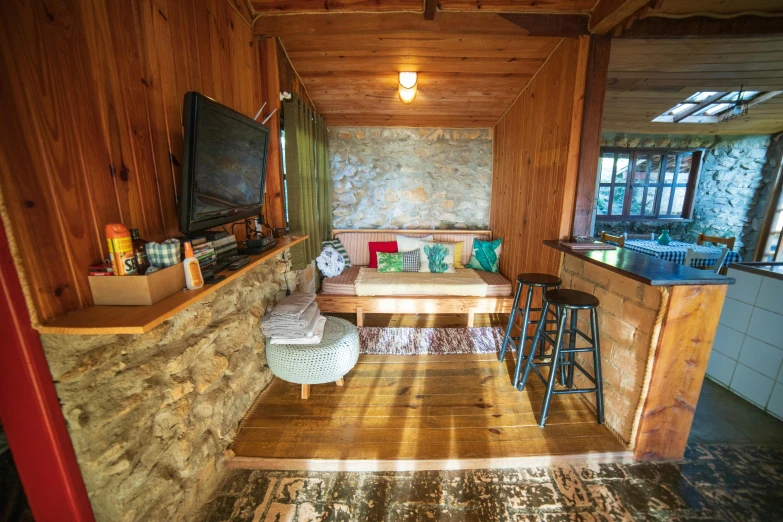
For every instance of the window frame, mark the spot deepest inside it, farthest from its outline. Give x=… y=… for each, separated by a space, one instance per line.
x=690 y=186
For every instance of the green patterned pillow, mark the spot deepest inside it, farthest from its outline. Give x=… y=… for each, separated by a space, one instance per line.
x=486 y=255
x=388 y=262
x=338 y=245
x=437 y=257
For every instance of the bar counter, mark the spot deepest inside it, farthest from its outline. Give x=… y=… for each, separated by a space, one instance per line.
x=657 y=321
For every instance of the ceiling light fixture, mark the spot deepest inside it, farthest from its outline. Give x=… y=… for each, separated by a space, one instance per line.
x=408 y=86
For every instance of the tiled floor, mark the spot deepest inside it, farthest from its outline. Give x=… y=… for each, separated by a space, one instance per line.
x=718 y=482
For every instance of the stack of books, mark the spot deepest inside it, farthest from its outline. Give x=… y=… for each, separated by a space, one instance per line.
x=225 y=247
x=204 y=251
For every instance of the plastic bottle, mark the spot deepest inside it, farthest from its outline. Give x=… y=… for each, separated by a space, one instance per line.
x=193 y=278
x=121 y=249
x=139 y=251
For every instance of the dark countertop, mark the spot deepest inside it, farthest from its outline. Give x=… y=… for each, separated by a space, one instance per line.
x=645 y=269
x=763 y=269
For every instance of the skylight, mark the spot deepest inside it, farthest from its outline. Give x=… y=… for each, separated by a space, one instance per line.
x=714 y=106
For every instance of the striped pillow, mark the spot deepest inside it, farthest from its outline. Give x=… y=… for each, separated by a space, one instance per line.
x=338 y=245
x=411 y=261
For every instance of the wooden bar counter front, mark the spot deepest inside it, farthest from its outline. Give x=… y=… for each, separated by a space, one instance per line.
x=657 y=323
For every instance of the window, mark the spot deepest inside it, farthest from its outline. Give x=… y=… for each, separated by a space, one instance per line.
x=714 y=106
x=646 y=184
x=772 y=246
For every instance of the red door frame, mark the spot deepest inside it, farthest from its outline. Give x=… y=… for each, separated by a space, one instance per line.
x=30 y=411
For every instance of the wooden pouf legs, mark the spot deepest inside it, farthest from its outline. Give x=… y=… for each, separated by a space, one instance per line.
x=306 y=387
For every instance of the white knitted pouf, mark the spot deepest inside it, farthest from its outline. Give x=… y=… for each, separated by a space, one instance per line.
x=320 y=363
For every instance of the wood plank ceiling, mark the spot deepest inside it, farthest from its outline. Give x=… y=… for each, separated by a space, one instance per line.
x=464 y=81
x=648 y=77
x=473 y=63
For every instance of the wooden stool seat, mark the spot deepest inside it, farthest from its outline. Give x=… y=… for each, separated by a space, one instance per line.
x=534 y=279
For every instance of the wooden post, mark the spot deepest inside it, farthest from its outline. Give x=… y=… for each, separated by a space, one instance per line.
x=305 y=391
x=359 y=316
x=687 y=332
x=471 y=317
x=340 y=382
x=589 y=149
x=270 y=89
x=32 y=418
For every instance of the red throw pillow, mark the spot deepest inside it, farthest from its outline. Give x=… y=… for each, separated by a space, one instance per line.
x=380 y=246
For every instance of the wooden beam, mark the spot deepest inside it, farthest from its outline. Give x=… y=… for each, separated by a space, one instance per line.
x=575 y=139
x=270 y=88
x=608 y=14
x=689 y=326
x=655 y=27
x=413 y=24
x=430 y=6
x=560 y=25
x=589 y=151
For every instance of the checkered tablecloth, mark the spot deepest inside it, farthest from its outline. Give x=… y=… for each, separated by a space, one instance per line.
x=676 y=251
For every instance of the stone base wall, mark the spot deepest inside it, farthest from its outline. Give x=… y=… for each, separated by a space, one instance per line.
x=731 y=197
x=410 y=178
x=151 y=415
x=625 y=320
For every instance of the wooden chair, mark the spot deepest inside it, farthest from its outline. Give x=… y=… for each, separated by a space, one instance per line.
x=618 y=240
x=719 y=257
x=651 y=235
x=728 y=241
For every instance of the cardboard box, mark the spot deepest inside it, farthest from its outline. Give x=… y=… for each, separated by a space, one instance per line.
x=137 y=289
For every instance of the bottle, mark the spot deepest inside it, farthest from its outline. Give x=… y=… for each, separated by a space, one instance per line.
x=139 y=251
x=193 y=278
x=120 y=249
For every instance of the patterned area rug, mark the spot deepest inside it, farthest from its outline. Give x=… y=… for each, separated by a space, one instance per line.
x=430 y=341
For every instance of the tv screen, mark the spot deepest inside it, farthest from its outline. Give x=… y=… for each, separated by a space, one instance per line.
x=224 y=167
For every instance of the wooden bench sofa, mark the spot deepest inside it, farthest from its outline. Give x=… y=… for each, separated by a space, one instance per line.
x=338 y=296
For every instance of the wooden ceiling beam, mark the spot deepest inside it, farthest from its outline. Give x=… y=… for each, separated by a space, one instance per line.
x=413 y=25
x=264 y=7
x=430 y=7
x=656 y=27
x=608 y=14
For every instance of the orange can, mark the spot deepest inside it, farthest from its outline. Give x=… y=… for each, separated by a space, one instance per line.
x=121 y=249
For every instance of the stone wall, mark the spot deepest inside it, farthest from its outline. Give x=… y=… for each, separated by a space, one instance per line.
x=411 y=178
x=625 y=320
x=735 y=181
x=151 y=415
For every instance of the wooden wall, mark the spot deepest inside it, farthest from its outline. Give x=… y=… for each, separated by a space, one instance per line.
x=91 y=103
x=536 y=149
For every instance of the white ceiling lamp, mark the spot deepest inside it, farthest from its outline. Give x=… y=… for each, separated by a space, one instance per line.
x=408 y=86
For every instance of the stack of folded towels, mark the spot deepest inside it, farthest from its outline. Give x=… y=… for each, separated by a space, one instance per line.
x=295 y=320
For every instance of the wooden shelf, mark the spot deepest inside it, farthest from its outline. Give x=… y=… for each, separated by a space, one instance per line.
x=108 y=320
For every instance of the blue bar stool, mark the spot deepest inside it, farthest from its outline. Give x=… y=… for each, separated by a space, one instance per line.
x=543 y=281
x=567 y=302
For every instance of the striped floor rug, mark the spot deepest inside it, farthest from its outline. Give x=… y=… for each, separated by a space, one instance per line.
x=433 y=341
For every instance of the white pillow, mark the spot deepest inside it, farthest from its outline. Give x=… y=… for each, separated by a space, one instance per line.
x=408 y=244
x=443 y=253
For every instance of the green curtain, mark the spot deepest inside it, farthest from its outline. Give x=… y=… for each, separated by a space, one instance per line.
x=308 y=180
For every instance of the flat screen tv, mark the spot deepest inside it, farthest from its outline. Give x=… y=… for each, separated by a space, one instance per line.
x=224 y=165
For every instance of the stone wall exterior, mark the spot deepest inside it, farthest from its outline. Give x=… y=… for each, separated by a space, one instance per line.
x=736 y=179
x=626 y=318
x=411 y=178
x=151 y=415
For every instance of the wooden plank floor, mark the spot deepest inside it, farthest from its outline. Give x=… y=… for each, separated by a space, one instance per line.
x=417 y=412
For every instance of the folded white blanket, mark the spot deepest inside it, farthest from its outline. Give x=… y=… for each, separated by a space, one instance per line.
x=293 y=305
x=290 y=322
x=463 y=282
x=315 y=339
x=289 y=332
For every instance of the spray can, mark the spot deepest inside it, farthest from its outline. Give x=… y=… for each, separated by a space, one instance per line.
x=121 y=249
